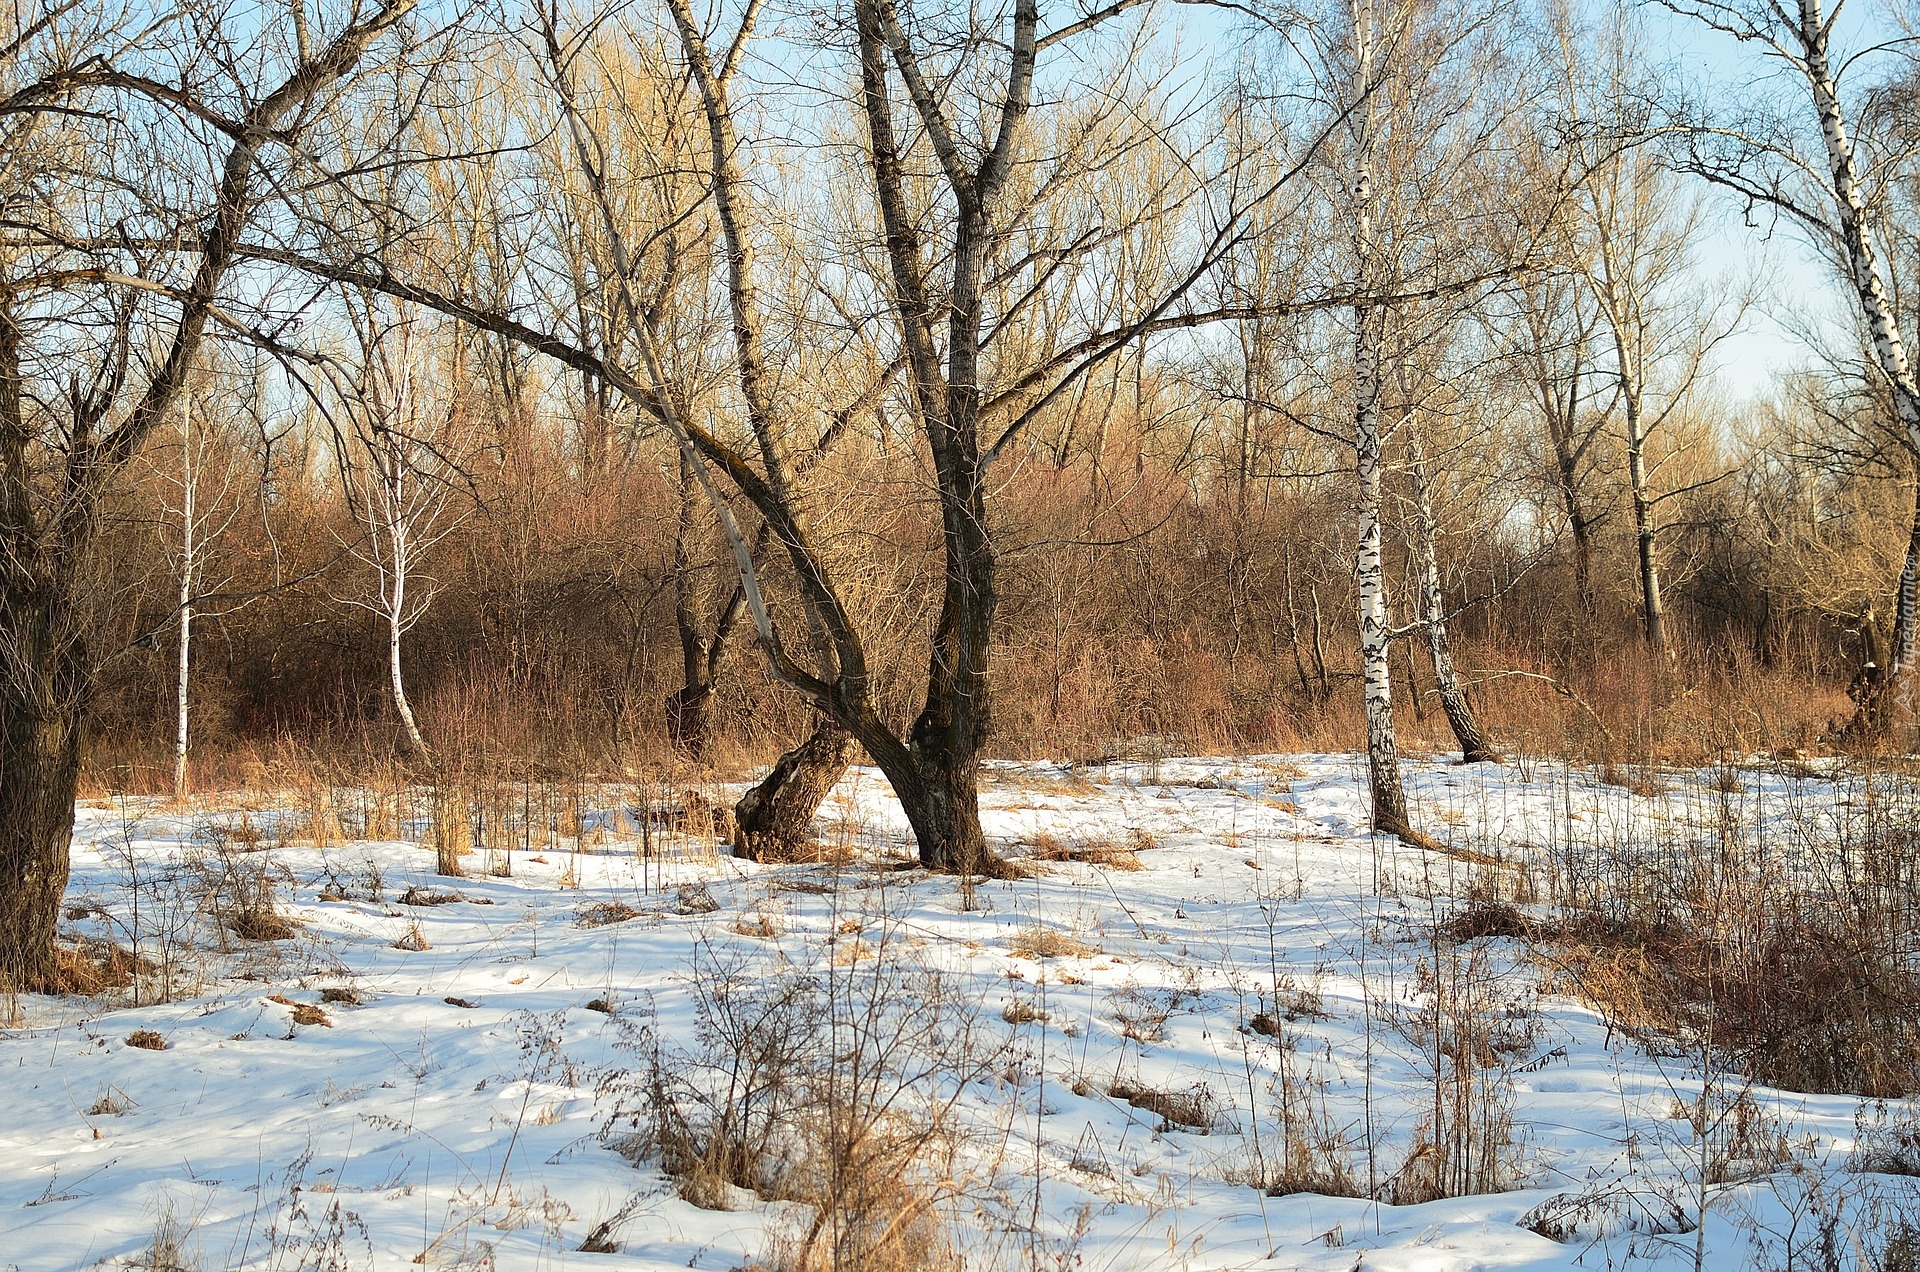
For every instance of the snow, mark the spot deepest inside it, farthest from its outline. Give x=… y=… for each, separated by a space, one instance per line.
x=411 y=1130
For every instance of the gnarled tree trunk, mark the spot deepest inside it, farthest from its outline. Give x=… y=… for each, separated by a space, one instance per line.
x=774 y=819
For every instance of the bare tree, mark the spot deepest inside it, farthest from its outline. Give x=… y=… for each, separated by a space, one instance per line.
x=403 y=461
x=1640 y=233
x=83 y=188
x=1821 y=181
x=201 y=488
x=1417 y=90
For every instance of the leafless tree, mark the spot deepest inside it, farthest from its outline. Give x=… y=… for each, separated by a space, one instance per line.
x=403 y=461
x=132 y=160
x=1820 y=178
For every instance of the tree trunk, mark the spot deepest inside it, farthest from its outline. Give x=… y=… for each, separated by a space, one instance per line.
x=1903 y=615
x=1383 y=755
x=42 y=726
x=1475 y=748
x=180 y=692
x=688 y=719
x=398 y=688
x=187 y=551
x=1652 y=609
x=1566 y=465
x=937 y=774
x=774 y=820
x=939 y=792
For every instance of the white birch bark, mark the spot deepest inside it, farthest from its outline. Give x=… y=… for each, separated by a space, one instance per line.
x=1383 y=756
x=396 y=607
x=400 y=470
x=189 y=550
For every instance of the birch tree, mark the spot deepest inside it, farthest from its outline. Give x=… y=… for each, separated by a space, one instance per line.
x=201 y=482
x=402 y=464
x=1820 y=178
x=1417 y=89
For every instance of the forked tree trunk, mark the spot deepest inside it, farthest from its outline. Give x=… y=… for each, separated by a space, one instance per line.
x=935 y=774
x=1475 y=748
x=774 y=820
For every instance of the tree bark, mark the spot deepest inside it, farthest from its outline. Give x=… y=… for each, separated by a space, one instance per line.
x=183 y=666
x=1904 y=617
x=1383 y=755
x=1862 y=257
x=774 y=820
x=396 y=685
x=1475 y=747
x=43 y=711
x=1652 y=608
x=184 y=662
x=1567 y=471
x=688 y=718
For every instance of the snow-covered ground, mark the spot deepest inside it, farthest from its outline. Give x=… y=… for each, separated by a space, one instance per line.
x=472 y=1109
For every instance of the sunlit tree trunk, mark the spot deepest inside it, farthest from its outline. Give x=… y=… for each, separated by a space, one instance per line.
x=189 y=559
x=1370 y=577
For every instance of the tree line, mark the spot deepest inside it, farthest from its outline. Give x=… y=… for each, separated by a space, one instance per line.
x=924 y=383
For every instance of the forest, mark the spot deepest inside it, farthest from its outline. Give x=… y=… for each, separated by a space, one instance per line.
x=805 y=479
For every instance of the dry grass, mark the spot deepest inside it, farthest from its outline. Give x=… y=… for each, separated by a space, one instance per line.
x=1020 y=1011
x=756 y=923
x=605 y=914
x=1038 y=941
x=88 y=967
x=1092 y=852
x=1789 y=963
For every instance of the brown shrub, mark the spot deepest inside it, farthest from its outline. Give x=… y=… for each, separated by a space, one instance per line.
x=1092 y=852
x=1193 y=1108
x=1046 y=942
x=1795 y=998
